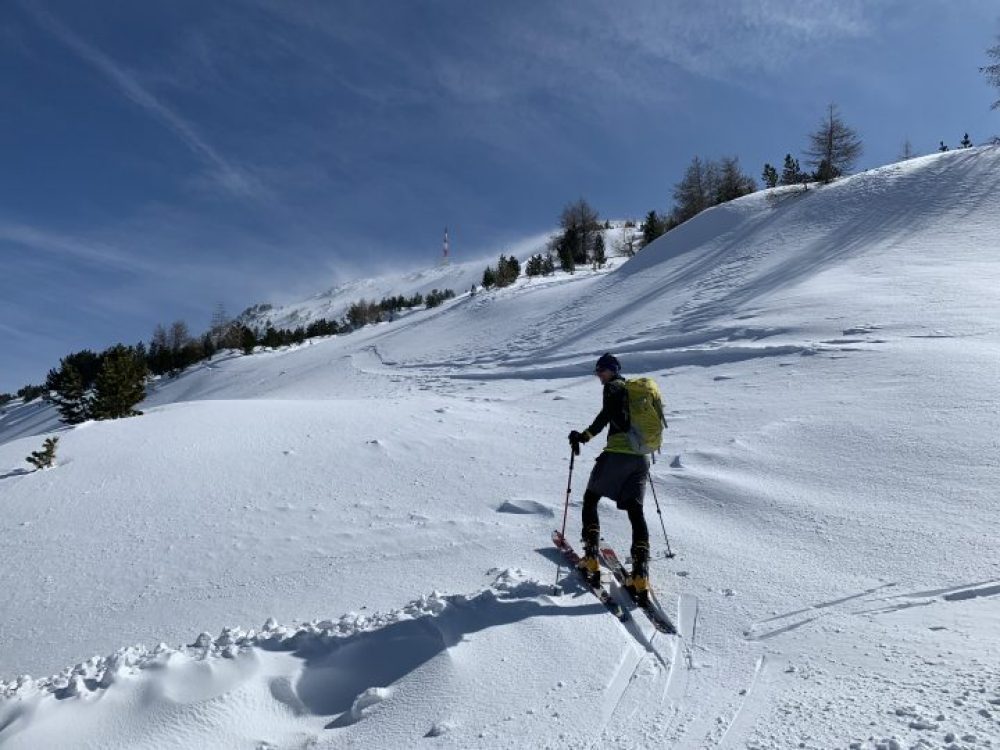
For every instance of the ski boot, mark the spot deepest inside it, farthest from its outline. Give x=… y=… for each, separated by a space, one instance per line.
x=638 y=579
x=589 y=565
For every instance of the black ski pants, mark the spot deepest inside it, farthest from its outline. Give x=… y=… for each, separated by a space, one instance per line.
x=592 y=523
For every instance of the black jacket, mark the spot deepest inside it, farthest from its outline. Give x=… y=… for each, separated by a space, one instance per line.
x=614 y=410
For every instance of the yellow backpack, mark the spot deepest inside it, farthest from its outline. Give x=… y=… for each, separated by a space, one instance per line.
x=645 y=410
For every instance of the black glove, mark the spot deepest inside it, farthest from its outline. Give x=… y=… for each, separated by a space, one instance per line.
x=576 y=439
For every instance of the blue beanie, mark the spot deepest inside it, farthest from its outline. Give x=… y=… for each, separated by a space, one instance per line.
x=608 y=361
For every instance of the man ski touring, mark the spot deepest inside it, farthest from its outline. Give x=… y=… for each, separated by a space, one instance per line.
x=620 y=473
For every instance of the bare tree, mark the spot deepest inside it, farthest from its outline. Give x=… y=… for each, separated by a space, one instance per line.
x=579 y=222
x=907 y=152
x=834 y=147
x=179 y=335
x=693 y=193
x=625 y=244
x=992 y=71
x=159 y=340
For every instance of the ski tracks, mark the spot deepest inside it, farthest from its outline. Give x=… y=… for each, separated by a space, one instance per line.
x=650 y=705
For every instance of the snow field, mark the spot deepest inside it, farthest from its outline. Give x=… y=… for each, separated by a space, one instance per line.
x=830 y=363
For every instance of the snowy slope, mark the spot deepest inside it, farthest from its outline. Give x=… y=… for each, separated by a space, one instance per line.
x=459 y=277
x=831 y=363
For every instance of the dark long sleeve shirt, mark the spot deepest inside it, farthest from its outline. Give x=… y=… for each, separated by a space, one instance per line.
x=614 y=416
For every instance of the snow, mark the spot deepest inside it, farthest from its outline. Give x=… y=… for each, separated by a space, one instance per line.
x=383 y=501
x=460 y=277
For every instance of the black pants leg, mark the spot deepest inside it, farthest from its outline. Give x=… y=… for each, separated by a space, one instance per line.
x=591 y=522
x=640 y=532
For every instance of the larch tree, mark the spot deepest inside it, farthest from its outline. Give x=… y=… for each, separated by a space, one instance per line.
x=834 y=147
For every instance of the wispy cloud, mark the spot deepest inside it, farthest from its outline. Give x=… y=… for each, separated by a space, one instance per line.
x=53 y=243
x=735 y=41
x=235 y=179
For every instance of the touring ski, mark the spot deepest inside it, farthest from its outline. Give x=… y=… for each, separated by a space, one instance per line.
x=599 y=590
x=649 y=604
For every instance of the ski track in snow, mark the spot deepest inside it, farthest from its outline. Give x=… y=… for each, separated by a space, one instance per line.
x=829 y=361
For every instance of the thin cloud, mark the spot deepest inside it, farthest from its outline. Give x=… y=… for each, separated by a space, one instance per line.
x=52 y=243
x=727 y=40
x=233 y=179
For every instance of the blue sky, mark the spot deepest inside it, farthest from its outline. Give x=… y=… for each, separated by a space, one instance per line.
x=160 y=158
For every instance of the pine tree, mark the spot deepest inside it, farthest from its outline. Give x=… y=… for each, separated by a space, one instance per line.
x=208 y=347
x=67 y=391
x=732 y=182
x=272 y=340
x=121 y=384
x=248 y=339
x=489 y=277
x=834 y=147
x=791 y=174
x=564 y=246
x=508 y=269
x=652 y=227
x=548 y=265
x=769 y=176
x=966 y=142
x=44 y=458
x=942 y=148
x=29 y=393
x=534 y=266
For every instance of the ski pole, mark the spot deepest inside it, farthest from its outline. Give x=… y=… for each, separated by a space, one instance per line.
x=569 y=489
x=670 y=552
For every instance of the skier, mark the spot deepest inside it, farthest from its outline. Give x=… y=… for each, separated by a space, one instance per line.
x=619 y=473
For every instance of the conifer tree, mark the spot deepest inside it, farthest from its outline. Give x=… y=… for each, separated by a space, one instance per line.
x=121 y=384
x=489 y=277
x=966 y=142
x=548 y=265
x=248 y=339
x=652 y=227
x=564 y=246
x=30 y=392
x=208 y=347
x=67 y=391
x=942 y=148
x=579 y=222
x=533 y=267
x=791 y=173
x=272 y=340
x=770 y=176
x=44 y=458
x=732 y=182
x=692 y=194
x=834 y=147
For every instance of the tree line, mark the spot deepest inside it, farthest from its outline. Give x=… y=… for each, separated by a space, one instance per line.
x=108 y=385
x=580 y=241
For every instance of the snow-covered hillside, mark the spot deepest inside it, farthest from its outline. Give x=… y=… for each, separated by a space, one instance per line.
x=359 y=527
x=458 y=277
